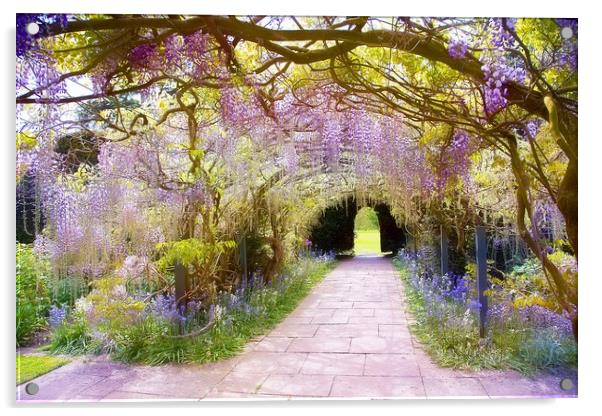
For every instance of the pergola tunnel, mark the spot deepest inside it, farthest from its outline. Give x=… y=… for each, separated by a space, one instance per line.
x=185 y=182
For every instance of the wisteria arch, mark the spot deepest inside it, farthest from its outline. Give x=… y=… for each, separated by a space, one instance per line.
x=227 y=125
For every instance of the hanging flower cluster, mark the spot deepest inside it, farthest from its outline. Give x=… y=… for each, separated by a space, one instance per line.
x=457 y=48
x=497 y=75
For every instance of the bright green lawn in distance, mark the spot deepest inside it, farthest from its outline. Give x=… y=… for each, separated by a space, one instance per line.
x=367 y=234
x=32 y=366
x=367 y=242
x=366 y=220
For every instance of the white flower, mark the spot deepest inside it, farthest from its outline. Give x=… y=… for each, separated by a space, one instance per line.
x=84 y=306
x=467 y=319
x=133 y=267
x=218 y=312
x=119 y=291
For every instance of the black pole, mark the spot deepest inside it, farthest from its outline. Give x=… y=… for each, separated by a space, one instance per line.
x=180 y=281
x=482 y=284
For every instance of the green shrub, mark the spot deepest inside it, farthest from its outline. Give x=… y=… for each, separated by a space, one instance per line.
x=72 y=337
x=530 y=267
x=67 y=290
x=33 y=299
x=546 y=350
x=148 y=339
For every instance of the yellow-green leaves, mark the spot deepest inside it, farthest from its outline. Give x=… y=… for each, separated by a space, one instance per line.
x=25 y=141
x=190 y=251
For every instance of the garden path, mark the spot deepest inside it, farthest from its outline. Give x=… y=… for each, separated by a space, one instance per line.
x=348 y=338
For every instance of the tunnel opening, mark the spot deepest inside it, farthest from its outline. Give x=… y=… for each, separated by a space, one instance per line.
x=335 y=229
x=367 y=233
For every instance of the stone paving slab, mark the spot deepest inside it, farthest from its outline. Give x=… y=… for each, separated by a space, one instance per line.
x=377 y=387
x=391 y=365
x=349 y=338
x=297 y=385
x=275 y=344
x=320 y=344
x=334 y=363
x=458 y=387
x=240 y=383
x=260 y=362
x=379 y=345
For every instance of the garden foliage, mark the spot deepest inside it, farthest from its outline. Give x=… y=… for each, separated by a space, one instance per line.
x=156 y=331
x=207 y=145
x=526 y=337
x=33 y=296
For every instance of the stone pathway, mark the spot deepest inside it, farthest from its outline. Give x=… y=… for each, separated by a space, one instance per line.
x=348 y=338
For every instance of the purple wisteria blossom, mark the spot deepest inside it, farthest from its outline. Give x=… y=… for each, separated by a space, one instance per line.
x=497 y=75
x=457 y=48
x=500 y=37
x=143 y=56
x=454 y=161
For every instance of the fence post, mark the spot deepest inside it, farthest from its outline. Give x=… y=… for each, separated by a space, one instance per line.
x=482 y=284
x=180 y=282
x=444 y=252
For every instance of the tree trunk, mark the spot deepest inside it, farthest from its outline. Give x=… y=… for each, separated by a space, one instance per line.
x=568 y=203
x=560 y=288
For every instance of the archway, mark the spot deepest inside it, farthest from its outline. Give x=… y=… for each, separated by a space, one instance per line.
x=334 y=230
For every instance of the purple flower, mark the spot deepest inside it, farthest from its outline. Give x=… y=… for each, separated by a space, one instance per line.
x=474 y=305
x=57 y=315
x=500 y=37
x=256 y=281
x=497 y=75
x=142 y=56
x=533 y=127
x=567 y=22
x=542 y=318
x=457 y=48
x=163 y=307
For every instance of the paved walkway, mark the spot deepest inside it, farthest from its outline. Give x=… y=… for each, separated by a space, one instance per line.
x=348 y=338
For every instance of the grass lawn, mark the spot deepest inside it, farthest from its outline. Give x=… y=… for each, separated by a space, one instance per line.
x=32 y=366
x=367 y=242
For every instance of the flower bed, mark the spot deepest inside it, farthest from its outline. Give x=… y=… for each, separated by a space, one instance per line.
x=527 y=338
x=112 y=320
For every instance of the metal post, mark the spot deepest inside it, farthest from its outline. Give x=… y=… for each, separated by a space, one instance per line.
x=180 y=281
x=482 y=284
x=444 y=252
